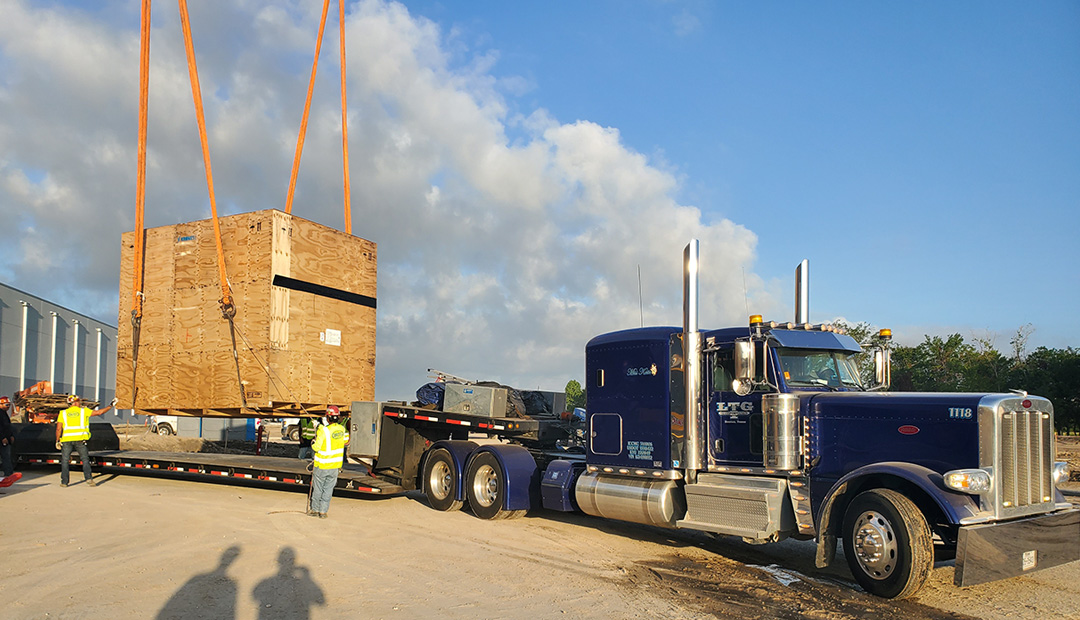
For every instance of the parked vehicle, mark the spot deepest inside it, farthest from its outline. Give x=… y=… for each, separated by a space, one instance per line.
x=164 y=424
x=290 y=429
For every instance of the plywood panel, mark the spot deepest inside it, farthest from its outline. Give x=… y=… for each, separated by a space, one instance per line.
x=185 y=350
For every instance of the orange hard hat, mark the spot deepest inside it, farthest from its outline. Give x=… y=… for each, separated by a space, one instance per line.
x=4 y=401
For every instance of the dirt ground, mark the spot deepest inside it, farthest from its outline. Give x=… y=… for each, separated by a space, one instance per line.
x=142 y=547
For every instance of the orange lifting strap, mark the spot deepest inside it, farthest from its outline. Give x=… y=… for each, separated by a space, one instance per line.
x=344 y=115
x=344 y=121
x=227 y=307
x=140 y=183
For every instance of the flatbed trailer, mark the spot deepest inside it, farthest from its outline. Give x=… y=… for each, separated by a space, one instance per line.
x=404 y=438
x=276 y=470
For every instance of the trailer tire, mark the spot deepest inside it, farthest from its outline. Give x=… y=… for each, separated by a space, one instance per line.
x=887 y=543
x=441 y=481
x=485 y=488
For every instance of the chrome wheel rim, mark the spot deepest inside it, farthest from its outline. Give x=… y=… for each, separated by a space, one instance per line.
x=485 y=485
x=440 y=480
x=875 y=545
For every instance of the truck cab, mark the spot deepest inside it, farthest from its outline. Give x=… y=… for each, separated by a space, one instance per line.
x=791 y=443
x=767 y=432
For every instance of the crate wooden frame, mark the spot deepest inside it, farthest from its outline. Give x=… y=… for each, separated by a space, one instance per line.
x=305 y=296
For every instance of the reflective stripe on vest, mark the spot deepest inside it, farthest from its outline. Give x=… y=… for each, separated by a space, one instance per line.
x=329 y=446
x=76 y=424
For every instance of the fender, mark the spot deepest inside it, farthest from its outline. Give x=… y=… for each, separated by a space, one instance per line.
x=459 y=452
x=520 y=475
x=955 y=506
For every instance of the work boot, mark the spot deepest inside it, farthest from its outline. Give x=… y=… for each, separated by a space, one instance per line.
x=63 y=484
x=322 y=515
x=312 y=514
x=91 y=482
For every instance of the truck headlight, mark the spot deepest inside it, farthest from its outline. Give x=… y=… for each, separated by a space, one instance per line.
x=974 y=481
x=1061 y=472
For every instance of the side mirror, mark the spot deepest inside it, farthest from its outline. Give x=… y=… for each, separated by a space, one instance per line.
x=882 y=369
x=745 y=366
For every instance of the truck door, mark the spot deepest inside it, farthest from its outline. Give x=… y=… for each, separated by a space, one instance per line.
x=734 y=422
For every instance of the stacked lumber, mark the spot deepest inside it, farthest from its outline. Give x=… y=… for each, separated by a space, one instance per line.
x=304 y=328
x=43 y=408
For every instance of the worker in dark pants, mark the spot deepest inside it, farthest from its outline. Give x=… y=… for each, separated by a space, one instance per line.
x=7 y=441
x=330 y=441
x=72 y=432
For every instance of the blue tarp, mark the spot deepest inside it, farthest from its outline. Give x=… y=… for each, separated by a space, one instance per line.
x=431 y=394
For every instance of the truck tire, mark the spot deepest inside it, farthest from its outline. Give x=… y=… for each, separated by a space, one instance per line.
x=294 y=434
x=887 y=543
x=164 y=430
x=486 y=488
x=441 y=481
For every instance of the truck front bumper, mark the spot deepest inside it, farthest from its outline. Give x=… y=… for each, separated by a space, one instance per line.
x=993 y=551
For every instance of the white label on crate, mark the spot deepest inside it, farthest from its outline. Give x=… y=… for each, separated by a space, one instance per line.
x=332 y=337
x=1029 y=560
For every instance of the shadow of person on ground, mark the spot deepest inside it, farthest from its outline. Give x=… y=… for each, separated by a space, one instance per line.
x=290 y=593
x=209 y=595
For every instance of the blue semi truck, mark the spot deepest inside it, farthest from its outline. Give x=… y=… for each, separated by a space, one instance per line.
x=763 y=432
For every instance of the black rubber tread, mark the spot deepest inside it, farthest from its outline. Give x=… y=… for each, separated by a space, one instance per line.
x=450 y=502
x=495 y=510
x=915 y=544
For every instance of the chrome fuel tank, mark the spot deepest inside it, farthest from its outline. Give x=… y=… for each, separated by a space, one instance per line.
x=650 y=502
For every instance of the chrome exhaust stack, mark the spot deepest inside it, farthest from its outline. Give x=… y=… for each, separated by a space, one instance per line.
x=802 y=293
x=692 y=454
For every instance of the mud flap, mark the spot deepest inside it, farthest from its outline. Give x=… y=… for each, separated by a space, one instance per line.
x=1002 y=550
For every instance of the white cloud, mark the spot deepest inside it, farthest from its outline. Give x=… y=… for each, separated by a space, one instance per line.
x=499 y=259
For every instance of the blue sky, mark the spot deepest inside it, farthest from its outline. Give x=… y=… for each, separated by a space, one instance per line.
x=518 y=163
x=924 y=156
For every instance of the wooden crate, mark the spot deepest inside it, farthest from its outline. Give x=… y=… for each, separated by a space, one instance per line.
x=304 y=324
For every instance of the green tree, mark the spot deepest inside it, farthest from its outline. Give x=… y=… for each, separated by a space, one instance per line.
x=936 y=365
x=1054 y=374
x=575 y=396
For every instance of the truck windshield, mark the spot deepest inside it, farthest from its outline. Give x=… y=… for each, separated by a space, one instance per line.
x=815 y=368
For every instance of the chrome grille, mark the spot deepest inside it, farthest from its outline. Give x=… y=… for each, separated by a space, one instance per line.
x=1018 y=447
x=1026 y=466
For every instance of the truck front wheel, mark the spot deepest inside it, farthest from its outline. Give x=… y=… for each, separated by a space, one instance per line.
x=441 y=481
x=164 y=429
x=887 y=543
x=294 y=434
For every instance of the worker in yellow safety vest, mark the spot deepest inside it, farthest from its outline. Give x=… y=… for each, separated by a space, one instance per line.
x=72 y=432
x=330 y=441
x=307 y=435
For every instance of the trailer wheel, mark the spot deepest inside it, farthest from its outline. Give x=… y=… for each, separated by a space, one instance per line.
x=441 y=481
x=163 y=430
x=887 y=543
x=486 y=488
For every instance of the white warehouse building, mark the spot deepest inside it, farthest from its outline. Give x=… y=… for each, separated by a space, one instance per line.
x=43 y=341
